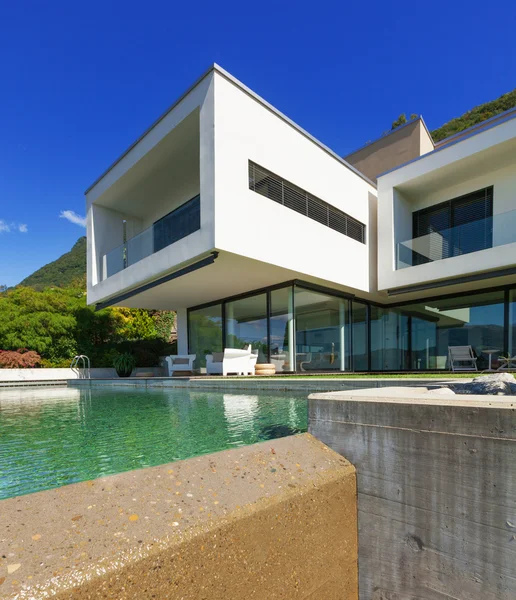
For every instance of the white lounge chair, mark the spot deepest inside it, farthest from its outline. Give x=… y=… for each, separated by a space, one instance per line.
x=507 y=363
x=177 y=362
x=461 y=358
x=231 y=360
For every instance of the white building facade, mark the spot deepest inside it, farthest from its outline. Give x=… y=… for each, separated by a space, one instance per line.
x=256 y=233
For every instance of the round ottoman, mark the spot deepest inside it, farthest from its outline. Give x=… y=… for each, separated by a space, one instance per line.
x=265 y=369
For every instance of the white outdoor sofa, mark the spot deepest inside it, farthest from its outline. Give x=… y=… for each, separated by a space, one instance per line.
x=232 y=360
x=177 y=362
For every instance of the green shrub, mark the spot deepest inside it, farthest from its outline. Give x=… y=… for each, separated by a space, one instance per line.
x=57 y=363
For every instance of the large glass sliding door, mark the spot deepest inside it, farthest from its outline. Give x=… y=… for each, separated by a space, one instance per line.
x=299 y=328
x=511 y=325
x=389 y=339
x=321 y=331
x=205 y=332
x=246 y=324
x=475 y=320
x=424 y=342
x=360 y=320
x=282 y=329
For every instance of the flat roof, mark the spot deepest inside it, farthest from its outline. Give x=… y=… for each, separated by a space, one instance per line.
x=216 y=68
x=388 y=133
x=461 y=136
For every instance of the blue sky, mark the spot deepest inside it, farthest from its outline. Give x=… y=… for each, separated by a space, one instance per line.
x=81 y=81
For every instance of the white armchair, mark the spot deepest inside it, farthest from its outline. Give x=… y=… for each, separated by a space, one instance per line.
x=253 y=359
x=177 y=362
x=231 y=360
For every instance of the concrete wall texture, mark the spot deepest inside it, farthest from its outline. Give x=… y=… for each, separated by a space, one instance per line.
x=271 y=521
x=398 y=147
x=436 y=494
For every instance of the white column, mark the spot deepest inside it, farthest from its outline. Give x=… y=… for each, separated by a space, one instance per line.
x=291 y=332
x=182 y=331
x=230 y=325
x=342 y=333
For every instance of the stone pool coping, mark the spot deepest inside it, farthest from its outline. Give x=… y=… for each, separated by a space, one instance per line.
x=313 y=383
x=417 y=396
x=188 y=525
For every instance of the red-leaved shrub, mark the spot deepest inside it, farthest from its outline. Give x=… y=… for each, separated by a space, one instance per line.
x=20 y=359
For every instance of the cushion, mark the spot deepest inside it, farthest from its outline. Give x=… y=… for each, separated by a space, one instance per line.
x=180 y=361
x=218 y=356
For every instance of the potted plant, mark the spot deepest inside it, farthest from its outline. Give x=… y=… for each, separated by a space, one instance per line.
x=124 y=364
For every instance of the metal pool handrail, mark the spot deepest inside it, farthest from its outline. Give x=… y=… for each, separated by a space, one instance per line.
x=85 y=361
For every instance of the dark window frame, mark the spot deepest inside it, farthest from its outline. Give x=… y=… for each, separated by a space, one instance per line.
x=449 y=209
x=369 y=303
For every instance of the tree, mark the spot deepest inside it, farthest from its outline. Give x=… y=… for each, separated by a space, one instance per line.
x=40 y=321
x=57 y=324
x=476 y=115
x=402 y=119
x=165 y=323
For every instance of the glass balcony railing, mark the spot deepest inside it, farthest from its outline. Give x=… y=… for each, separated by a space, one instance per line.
x=171 y=228
x=482 y=234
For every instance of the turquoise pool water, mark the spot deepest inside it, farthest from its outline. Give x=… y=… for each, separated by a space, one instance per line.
x=51 y=437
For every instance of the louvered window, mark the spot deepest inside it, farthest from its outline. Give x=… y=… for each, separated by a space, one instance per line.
x=461 y=225
x=278 y=189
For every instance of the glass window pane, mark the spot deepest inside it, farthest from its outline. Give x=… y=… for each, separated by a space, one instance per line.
x=282 y=330
x=424 y=342
x=360 y=350
x=389 y=339
x=205 y=332
x=321 y=336
x=246 y=324
x=474 y=320
x=512 y=323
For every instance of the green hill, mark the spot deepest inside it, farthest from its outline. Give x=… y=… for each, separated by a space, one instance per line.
x=65 y=270
x=476 y=115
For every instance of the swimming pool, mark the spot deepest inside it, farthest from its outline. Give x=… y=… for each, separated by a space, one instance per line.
x=51 y=437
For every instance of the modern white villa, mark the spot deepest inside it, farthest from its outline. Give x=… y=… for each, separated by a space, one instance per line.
x=258 y=234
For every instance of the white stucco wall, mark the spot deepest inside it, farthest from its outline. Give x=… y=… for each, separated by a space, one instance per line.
x=475 y=163
x=426 y=143
x=13 y=375
x=103 y=227
x=251 y=225
x=182 y=331
x=234 y=126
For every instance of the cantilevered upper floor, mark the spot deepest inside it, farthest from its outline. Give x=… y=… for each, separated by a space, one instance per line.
x=221 y=195
x=448 y=218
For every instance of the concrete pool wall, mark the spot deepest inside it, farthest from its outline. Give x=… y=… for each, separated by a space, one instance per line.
x=436 y=481
x=268 y=521
x=63 y=374
x=278 y=383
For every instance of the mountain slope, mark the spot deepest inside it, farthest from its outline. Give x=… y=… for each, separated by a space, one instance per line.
x=66 y=269
x=476 y=115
